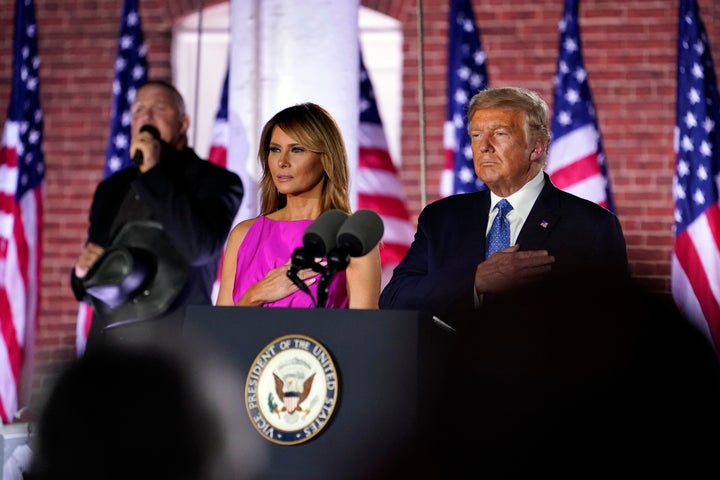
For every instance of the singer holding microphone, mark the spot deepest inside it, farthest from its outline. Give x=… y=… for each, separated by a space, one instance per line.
x=193 y=201
x=304 y=175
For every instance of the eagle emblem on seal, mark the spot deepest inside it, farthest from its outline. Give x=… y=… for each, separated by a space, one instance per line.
x=291 y=395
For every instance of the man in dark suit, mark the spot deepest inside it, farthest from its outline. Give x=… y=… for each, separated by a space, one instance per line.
x=551 y=234
x=193 y=201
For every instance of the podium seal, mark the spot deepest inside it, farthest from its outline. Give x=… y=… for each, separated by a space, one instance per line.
x=291 y=390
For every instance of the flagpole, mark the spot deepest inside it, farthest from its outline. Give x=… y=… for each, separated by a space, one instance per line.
x=194 y=121
x=421 y=103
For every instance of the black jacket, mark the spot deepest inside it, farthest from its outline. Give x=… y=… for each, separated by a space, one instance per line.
x=194 y=200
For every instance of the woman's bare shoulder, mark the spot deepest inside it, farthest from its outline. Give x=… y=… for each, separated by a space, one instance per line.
x=237 y=234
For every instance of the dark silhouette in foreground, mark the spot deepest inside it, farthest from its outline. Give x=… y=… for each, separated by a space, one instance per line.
x=145 y=413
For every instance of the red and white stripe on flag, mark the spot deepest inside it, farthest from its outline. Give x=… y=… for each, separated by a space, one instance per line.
x=380 y=190
x=20 y=233
x=82 y=327
x=696 y=274
x=219 y=140
x=447 y=176
x=574 y=165
x=377 y=183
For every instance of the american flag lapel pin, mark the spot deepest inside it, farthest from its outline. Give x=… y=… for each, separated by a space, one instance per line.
x=544 y=224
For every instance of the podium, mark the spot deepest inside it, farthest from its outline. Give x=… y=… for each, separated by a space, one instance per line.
x=387 y=363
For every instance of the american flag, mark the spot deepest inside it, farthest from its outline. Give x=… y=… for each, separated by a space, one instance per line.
x=220 y=139
x=378 y=186
x=22 y=189
x=576 y=160
x=130 y=74
x=467 y=74
x=696 y=254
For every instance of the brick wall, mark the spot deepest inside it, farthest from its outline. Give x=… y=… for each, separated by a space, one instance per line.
x=629 y=48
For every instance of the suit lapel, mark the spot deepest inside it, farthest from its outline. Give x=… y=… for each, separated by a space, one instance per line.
x=542 y=219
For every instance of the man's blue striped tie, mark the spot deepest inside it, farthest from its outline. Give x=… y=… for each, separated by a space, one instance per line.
x=499 y=235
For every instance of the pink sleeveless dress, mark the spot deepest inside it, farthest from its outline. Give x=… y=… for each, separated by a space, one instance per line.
x=269 y=244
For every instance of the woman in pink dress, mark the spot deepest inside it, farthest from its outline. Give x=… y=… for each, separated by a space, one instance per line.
x=305 y=173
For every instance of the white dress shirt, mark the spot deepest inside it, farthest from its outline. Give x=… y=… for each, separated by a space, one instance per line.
x=522 y=202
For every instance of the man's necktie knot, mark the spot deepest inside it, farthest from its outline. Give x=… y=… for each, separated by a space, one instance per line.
x=499 y=235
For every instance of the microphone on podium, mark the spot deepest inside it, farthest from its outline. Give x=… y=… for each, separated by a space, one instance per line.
x=338 y=237
x=357 y=236
x=319 y=238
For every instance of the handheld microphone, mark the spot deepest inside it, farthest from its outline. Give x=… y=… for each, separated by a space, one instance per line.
x=138 y=155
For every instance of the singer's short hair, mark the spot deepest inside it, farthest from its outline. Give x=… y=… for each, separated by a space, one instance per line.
x=314 y=128
x=180 y=102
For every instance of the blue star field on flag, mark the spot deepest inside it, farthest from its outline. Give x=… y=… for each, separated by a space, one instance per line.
x=369 y=112
x=222 y=111
x=467 y=75
x=698 y=114
x=25 y=102
x=130 y=74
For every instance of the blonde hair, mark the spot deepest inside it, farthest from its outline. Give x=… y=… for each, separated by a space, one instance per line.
x=315 y=129
x=517 y=99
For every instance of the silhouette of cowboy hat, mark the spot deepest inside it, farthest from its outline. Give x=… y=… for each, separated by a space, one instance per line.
x=138 y=277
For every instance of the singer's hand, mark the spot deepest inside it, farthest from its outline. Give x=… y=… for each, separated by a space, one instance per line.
x=88 y=256
x=275 y=286
x=150 y=148
x=510 y=268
